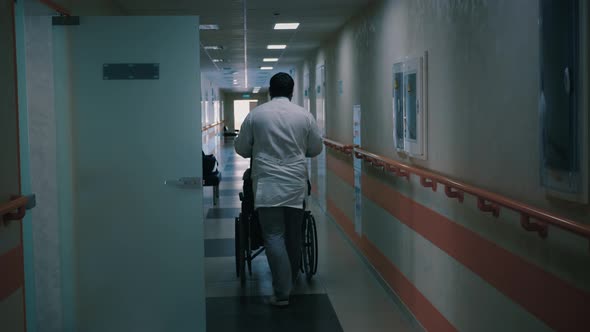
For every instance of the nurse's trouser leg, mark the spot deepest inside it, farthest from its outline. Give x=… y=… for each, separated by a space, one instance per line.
x=294 y=238
x=281 y=229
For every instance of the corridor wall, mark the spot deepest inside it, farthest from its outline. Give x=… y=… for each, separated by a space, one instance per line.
x=211 y=113
x=453 y=266
x=210 y=101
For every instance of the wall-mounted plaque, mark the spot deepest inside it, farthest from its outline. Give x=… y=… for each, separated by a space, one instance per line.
x=131 y=71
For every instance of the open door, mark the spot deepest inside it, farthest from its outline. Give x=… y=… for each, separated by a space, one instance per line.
x=129 y=123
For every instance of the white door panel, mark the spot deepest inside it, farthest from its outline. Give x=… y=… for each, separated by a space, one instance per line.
x=137 y=243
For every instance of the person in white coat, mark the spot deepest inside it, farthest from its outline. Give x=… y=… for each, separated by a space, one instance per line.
x=279 y=136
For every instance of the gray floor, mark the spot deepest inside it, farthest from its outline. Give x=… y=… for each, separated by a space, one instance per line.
x=306 y=313
x=343 y=296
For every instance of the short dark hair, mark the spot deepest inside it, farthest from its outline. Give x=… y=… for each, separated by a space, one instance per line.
x=281 y=85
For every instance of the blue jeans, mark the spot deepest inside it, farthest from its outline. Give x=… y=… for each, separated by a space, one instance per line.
x=281 y=230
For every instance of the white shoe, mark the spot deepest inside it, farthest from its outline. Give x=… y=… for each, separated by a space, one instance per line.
x=278 y=303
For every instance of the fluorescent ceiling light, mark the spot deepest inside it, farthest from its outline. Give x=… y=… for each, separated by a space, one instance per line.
x=266 y=68
x=208 y=27
x=217 y=60
x=235 y=73
x=213 y=47
x=276 y=47
x=270 y=59
x=286 y=26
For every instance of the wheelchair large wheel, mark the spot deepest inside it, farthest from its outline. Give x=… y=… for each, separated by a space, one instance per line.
x=310 y=246
x=240 y=243
x=237 y=245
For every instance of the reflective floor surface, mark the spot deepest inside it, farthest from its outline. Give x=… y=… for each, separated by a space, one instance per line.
x=344 y=296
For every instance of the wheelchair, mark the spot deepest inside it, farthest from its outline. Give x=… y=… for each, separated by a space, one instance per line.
x=249 y=243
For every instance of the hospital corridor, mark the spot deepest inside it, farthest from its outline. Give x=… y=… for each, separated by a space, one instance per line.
x=317 y=165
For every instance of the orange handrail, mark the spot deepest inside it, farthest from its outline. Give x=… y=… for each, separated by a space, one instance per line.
x=207 y=127
x=14 y=209
x=486 y=200
x=346 y=149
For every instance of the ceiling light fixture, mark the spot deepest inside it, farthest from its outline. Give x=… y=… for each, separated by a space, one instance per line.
x=286 y=26
x=276 y=47
x=270 y=59
x=266 y=68
x=213 y=47
x=208 y=27
x=217 y=60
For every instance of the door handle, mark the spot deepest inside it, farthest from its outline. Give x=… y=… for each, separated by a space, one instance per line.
x=186 y=182
x=32 y=201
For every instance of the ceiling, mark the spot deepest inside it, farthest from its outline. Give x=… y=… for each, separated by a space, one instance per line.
x=319 y=19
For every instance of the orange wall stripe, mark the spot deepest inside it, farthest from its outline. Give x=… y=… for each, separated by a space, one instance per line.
x=430 y=318
x=344 y=222
x=424 y=311
x=12 y=275
x=552 y=300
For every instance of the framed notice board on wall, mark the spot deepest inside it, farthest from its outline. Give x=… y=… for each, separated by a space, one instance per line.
x=563 y=105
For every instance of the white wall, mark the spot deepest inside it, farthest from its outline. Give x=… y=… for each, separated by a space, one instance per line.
x=483 y=130
x=210 y=95
x=483 y=88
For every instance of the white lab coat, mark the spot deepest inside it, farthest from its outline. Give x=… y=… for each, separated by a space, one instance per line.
x=279 y=135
